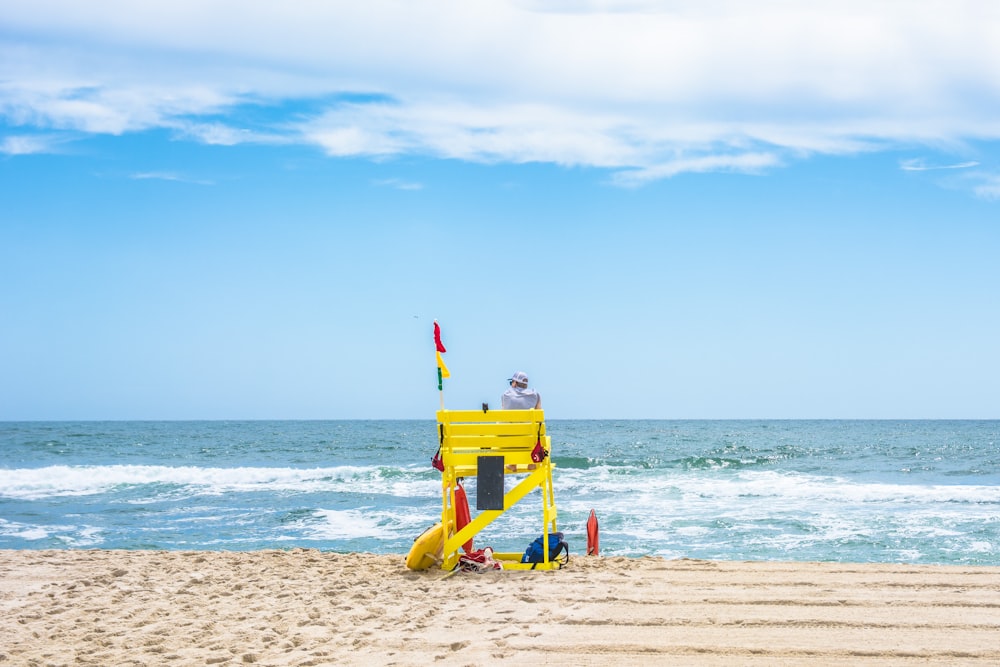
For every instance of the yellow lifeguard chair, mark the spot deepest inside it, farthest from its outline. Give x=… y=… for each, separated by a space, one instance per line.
x=493 y=445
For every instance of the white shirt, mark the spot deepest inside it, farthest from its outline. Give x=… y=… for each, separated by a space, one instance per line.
x=520 y=398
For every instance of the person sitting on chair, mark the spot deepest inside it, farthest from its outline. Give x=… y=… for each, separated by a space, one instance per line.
x=519 y=397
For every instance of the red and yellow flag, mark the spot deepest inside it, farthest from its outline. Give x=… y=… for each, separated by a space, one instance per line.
x=439 y=346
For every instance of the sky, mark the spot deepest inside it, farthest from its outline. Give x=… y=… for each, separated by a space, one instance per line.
x=709 y=209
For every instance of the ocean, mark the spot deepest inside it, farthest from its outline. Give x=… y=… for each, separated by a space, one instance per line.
x=845 y=491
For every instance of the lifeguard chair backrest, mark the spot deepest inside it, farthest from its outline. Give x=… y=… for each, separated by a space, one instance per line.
x=468 y=434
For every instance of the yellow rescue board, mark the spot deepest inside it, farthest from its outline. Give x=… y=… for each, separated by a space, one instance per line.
x=427 y=549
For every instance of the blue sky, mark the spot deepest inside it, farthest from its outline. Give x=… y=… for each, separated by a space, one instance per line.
x=220 y=210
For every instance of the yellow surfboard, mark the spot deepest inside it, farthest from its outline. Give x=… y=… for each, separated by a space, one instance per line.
x=427 y=549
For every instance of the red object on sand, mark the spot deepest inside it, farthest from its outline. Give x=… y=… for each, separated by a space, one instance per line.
x=462 y=516
x=593 y=542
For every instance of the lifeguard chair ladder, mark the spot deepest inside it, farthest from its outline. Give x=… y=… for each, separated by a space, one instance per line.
x=492 y=445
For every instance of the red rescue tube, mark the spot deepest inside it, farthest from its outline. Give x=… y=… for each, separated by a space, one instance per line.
x=462 y=516
x=593 y=541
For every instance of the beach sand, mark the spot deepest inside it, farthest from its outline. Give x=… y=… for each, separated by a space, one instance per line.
x=306 y=607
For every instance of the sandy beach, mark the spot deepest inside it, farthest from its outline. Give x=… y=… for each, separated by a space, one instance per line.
x=306 y=607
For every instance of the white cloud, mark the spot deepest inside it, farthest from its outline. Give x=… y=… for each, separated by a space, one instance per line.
x=920 y=165
x=988 y=188
x=28 y=144
x=499 y=133
x=101 y=107
x=167 y=176
x=647 y=88
x=966 y=176
x=399 y=184
x=160 y=176
x=742 y=162
x=220 y=134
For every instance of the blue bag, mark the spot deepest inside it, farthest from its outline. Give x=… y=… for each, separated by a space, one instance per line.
x=535 y=554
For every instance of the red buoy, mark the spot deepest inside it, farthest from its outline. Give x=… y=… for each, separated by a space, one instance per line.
x=462 y=516
x=593 y=542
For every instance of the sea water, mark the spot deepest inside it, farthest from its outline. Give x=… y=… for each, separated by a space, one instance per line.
x=859 y=491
